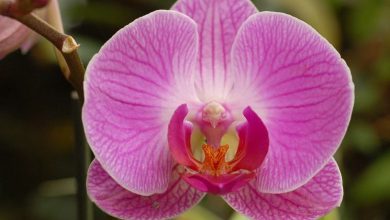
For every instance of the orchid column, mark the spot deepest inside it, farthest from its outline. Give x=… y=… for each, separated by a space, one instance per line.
x=204 y=70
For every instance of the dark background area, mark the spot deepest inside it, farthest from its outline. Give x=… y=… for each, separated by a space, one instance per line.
x=37 y=153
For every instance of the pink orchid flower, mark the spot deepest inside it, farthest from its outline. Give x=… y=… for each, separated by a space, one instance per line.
x=270 y=97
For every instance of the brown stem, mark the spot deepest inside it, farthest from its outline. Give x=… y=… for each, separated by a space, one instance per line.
x=20 y=7
x=64 y=43
x=74 y=72
x=83 y=156
x=54 y=19
x=40 y=26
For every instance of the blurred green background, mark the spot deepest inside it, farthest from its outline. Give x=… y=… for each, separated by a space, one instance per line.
x=37 y=158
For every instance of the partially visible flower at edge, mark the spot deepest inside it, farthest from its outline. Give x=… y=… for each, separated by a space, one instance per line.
x=165 y=94
x=14 y=35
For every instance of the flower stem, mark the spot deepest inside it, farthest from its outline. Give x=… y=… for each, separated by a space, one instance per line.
x=73 y=71
x=65 y=44
x=54 y=19
x=83 y=156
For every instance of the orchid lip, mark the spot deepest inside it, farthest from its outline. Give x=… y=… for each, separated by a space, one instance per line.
x=218 y=185
x=214 y=174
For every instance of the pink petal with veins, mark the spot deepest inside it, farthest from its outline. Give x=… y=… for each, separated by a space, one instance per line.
x=218 y=22
x=302 y=90
x=132 y=87
x=118 y=202
x=316 y=198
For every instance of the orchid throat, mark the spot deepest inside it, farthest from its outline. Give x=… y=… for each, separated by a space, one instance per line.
x=214 y=173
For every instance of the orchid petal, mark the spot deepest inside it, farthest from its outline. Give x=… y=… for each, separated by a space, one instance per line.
x=132 y=87
x=12 y=35
x=302 y=90
x=253 y=145
x=118 y=202
x=218 y=22
x=312 y=200
x=218 y=184
x=179 y=138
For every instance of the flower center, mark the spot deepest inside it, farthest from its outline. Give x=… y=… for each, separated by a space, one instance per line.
x=213 y=113
x=214 y=160
x=213 y=120
x=214 y=173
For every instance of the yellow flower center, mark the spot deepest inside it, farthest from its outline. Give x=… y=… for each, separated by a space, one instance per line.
x=214 y=160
